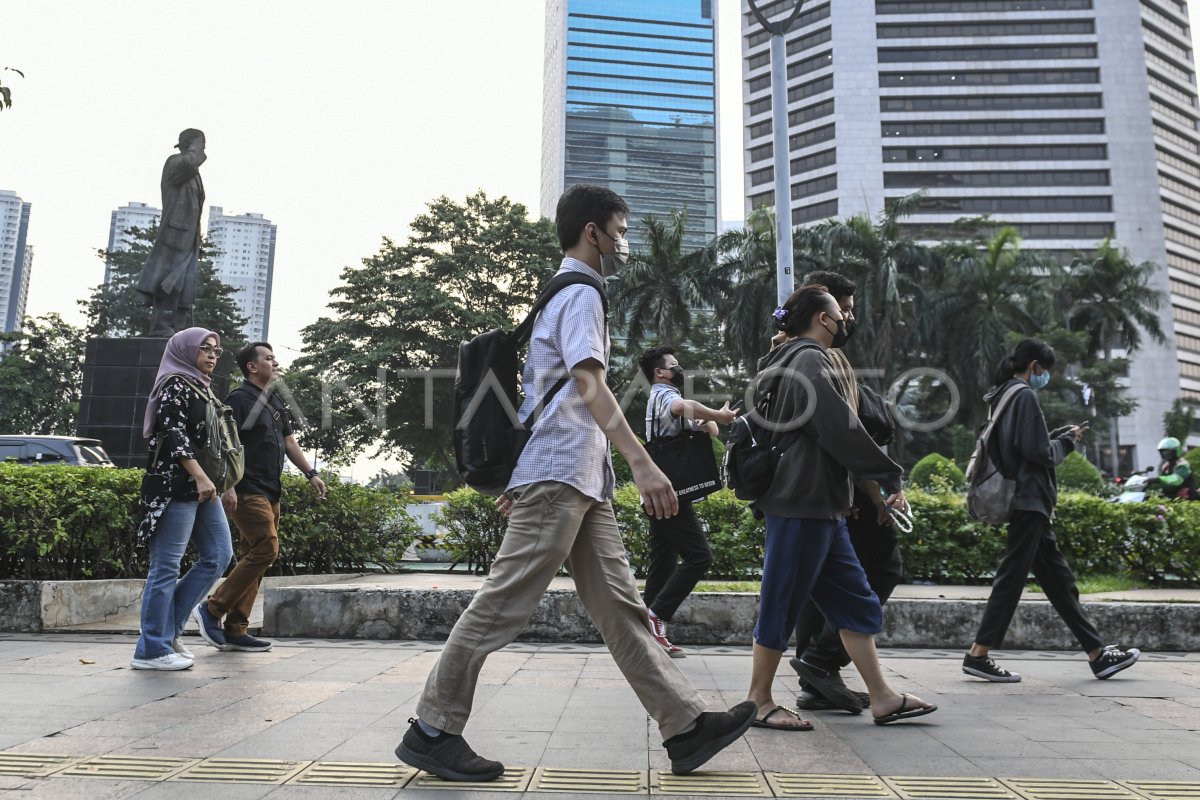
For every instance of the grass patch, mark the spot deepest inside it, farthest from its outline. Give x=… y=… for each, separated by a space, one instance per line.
x=1101 y=583
x=720 y=586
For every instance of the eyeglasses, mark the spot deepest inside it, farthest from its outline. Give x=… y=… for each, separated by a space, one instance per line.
x=208 y=348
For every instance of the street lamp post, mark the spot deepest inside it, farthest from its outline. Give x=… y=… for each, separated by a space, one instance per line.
x=784 y=277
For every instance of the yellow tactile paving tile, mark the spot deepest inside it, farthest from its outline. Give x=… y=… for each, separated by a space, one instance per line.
x=133 y=768
x=590 y=781
x=1059 y=789
x=514 y=779
x=859 y=787
x=242 y=770
x=354 y=773
x=949 y=788
x=722 y=784
x=1165 y=790
x=34 y=765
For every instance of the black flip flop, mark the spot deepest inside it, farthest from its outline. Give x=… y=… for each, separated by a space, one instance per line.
x=765 y=722
x=900 y=713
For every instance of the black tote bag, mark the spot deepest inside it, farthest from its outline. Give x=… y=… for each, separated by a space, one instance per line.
x=688 y=461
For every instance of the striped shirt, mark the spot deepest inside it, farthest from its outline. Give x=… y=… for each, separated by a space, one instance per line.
x=659 y=419
x=566 y=444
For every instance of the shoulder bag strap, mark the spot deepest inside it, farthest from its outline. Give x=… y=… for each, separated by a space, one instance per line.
x=557 y=284
x=994 y=416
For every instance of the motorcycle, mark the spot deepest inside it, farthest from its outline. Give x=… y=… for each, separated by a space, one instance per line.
x=1135 y=487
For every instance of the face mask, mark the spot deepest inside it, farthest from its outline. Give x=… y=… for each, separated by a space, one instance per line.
x=610 y=263
x=677 y=376
x=1038 y=382
x=841 y=336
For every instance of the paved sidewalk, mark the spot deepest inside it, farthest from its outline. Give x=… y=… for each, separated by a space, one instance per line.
x=567 y=706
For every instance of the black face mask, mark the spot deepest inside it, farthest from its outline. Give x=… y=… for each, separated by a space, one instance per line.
x=841 y=336
x=677 y=376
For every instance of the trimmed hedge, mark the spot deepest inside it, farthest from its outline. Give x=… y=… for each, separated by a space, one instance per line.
x=936 y=473
x=69 y=523
x=1078 y=474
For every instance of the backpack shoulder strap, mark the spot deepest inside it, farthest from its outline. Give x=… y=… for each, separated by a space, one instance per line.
x=557 y=284
x=1005 y=399
x=205 y=392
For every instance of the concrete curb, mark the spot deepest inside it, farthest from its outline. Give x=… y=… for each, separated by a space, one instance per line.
x=365 y=612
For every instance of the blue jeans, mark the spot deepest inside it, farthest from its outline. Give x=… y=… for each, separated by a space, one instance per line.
x=812 y=558
x=166 y=600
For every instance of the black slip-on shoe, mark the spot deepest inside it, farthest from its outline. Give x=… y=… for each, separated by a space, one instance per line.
x=828 y=684
x=447 y=756
x=714 y=731
x=809 y=700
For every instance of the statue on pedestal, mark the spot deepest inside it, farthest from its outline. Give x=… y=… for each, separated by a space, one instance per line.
x=168 y=281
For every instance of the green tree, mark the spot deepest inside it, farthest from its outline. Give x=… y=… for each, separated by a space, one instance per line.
x=663 y=287
x=115 y=308
x=41 y=374
x=1179 y=420
x=467 y=268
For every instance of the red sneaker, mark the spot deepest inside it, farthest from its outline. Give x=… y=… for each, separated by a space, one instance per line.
x=659 y=629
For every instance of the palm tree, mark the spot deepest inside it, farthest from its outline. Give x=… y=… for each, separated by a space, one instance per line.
x=987 y=293
x=890 y=269
x=661 y=288
x=1110 y=299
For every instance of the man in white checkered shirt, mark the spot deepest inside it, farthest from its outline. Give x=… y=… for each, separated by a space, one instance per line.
x=560 y=507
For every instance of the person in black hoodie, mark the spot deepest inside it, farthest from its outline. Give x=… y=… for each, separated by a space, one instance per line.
x=808 y=550
x=1025 y=451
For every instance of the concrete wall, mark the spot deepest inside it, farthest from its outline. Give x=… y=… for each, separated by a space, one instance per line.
x=712 y=619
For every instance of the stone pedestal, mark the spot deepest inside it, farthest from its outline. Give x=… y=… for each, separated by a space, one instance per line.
x=118 y=375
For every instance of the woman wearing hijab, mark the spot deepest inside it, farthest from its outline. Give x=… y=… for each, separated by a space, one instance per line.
x=179 y=502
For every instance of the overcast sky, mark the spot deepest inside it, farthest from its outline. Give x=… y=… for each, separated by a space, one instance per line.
x=337 y=121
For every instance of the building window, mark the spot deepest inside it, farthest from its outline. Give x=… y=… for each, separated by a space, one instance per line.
x=1020 y=77
x=816 y=161
x=1015 y=102
x=1085 y=231
x=1010 y=205
x=891 y=55
x=808 y=138
x=809 y=89
x=1031 y=152
x=943 y=30
x=819 y=61
x=826 y=183
x=806 y=18
x=921 y=180
x=761 y=153
x=824 y=210
x=817 y=111
x=975 y=6
x=1000 y=127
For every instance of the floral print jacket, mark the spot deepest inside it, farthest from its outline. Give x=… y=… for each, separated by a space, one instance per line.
x=179 y=427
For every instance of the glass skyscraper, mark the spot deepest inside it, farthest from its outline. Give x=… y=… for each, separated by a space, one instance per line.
x=630 y=103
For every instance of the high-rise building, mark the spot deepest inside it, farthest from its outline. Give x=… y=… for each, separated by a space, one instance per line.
x=244 y=257
x=1073 y=120
x=630 y=104
x=16 y=259
x=133 y=215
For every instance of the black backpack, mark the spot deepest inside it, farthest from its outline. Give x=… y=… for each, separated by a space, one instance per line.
x=752 y=452
x=488 y=435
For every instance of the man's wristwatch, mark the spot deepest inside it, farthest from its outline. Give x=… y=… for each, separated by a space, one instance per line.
x=312 y=473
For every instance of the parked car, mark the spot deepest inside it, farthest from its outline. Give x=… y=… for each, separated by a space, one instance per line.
x=71 y=450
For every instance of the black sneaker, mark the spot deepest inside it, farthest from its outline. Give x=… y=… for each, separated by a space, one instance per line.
x=1113 y=659
x=247 y=644
x=447 y=756
x=988 y=669
x=828 y=683
x=210 y=626
x=714 y=731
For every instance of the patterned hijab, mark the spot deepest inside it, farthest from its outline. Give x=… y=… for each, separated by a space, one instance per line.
x=178 y=359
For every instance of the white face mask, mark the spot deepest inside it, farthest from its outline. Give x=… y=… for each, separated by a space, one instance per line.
x=610 y=263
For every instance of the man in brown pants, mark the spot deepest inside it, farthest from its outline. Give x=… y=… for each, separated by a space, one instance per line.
x=266 y=431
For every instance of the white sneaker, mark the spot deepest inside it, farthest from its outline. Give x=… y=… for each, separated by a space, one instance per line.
x=179 y=648
x=171 y=661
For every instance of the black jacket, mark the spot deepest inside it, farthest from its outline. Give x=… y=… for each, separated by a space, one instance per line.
x=812 y=479
x=1024 y=450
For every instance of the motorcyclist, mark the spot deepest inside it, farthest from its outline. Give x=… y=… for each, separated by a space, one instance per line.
x=1175 y=478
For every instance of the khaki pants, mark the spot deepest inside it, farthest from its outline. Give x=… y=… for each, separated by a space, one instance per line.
x=553 y=523
x=257 y=521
